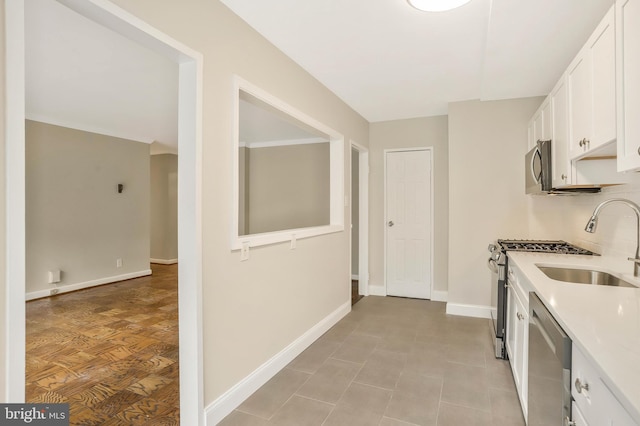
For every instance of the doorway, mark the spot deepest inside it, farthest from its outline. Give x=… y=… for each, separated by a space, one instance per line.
x=189 y=183
x=408 y=223
x=359 y=222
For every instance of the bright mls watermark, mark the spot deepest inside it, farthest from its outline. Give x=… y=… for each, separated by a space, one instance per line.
x=34 y=414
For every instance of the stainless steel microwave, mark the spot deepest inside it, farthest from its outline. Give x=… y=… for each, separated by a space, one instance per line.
x=537 y=168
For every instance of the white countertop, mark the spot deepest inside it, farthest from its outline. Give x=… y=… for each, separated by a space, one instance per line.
x=603 y=321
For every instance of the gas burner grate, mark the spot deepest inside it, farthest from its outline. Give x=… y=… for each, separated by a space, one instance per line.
x=543 y=246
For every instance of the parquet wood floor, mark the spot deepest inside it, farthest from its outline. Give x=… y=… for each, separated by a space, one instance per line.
x=111 y=352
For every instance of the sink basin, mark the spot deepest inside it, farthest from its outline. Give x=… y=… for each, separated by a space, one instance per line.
x=583 y=276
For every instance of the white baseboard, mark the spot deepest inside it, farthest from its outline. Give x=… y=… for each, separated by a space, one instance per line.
x=79 y=286
x=439 y=296
x=355 y=277
x=231 y=399
x=164 y=261
x=377 y=290
x=477 y=311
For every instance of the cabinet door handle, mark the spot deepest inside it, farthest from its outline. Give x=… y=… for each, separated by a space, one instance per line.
x=520 y=316
x=581 y=386
x=581 y=143
x=639 y=150
x=563 y=177
x=390 y=224
x=569 y=422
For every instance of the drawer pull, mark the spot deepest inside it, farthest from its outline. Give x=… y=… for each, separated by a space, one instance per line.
x=581 y=386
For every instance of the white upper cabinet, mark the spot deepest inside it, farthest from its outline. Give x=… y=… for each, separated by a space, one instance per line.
x=540 y=126
x=628 y=83
x=592 y=91
x=559 y=123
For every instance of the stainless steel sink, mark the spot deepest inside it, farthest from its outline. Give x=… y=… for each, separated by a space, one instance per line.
x=583 y=276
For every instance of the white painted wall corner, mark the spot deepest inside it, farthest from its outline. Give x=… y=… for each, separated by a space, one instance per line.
x=227 y=402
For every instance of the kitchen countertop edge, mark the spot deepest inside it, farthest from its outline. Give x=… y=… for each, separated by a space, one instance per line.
x=603 y=321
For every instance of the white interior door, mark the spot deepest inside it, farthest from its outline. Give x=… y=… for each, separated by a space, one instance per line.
x=408 y=223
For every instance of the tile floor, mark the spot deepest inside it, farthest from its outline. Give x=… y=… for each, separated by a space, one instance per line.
x=391 y=362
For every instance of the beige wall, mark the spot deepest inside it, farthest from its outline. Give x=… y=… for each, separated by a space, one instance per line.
x=3 y=308
x=164 y=207
x=76 y=221
x=418 y=132
x=253 y=309
x=487 y=144
x=287 y=187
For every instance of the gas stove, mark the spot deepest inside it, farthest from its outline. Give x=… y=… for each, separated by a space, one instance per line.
x=543 y=246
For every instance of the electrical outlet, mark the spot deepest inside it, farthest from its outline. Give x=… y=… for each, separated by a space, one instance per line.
x=119 y=263
x=244 y=252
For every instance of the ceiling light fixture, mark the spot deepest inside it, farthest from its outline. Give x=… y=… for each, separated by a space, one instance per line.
x=437 y=5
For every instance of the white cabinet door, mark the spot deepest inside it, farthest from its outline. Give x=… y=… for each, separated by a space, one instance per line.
x=547 y=130
x=592 y=91
x=594 y=399
x=561 y=172
x=628 y=83
x=579 y=85
x=517 y=344
x=577 y=417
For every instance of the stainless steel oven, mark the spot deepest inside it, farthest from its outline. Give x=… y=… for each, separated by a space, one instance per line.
x=498 y=263
x=549 y=392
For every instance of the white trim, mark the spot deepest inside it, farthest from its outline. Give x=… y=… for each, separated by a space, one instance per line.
x=476 y=311
x=355 y=277
x=377 y=290
x=227 y=402
x=363 y=219
x=189 y=195
x=85 y=128
x=336 y=164
x=431 y=213
x=164 y=261
x=86 y=284
x=439 y=296
x=288 y=142
x=15 y=276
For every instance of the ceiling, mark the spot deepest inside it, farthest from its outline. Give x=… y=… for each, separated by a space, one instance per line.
x=389 y=61
x=84 y=76
x=385 y=59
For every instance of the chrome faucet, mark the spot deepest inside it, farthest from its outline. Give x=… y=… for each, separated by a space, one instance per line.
x=593 y=223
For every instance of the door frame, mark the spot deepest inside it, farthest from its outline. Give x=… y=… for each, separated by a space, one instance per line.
x=363 y=217
x=431 y=212
x=190 y=65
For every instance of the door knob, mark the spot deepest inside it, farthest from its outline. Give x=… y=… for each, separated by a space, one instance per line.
x=390 y=223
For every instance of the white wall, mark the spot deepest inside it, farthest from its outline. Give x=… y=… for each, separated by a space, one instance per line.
x=76 y=221
x=566 y=217
x=487 y=145
x=355 y=210
x=417 y=132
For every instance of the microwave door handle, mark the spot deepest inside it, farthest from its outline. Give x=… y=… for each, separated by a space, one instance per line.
x=537 y=154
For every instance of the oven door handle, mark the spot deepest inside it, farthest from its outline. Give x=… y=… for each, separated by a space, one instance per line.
x=493 y=266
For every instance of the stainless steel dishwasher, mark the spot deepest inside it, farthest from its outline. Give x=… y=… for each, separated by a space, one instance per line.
x=549 y=392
